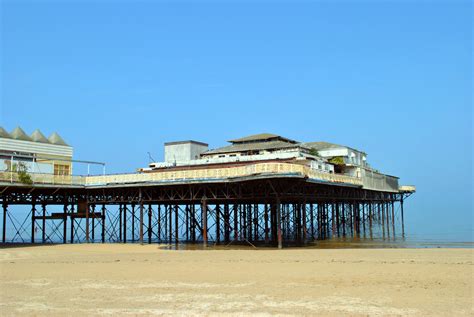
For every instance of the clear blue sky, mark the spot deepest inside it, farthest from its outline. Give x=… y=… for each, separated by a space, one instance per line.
x=117 y=79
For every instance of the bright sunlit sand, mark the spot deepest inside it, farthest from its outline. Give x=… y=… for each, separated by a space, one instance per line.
x=81 y=280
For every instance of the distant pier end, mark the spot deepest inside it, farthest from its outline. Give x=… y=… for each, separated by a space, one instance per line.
x=260 y=189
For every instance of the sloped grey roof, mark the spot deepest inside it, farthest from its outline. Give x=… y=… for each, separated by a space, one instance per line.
x=4 y=133
x=37 y=136
x=323 y=145
x=327 y=145
x=261 y=137
x=19 y=134
x=269 y=145
x=56 y=139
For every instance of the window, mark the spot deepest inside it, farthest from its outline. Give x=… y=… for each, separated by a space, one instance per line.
x=61 y=169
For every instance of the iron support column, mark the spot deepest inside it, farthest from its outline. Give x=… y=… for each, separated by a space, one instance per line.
x=43 y=237
x=278 y=221
x=103 y=224
x=204 y=222
x=4 y=229
x=141 y=216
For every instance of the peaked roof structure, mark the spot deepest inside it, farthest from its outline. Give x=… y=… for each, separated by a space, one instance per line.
x=4 y=133
x=56 y=139
x=257 y=142
x=19 y=134
x=320 y=146
x=261 y=137
x=37 y=136
x=323 y=145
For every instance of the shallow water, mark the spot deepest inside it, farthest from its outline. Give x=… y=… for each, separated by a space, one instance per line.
x=336 y=243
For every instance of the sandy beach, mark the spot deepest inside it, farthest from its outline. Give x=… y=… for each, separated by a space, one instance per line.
x=80 y=280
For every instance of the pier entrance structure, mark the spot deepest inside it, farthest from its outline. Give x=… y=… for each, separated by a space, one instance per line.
x=262 y=189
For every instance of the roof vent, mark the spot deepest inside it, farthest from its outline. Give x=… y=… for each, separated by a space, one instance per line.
x=56 y=139
x=37 y=136
x=19 y=134
x=4 y=134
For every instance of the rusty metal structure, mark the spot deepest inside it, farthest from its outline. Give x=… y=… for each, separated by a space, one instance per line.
x=261 y=209
x=261 y=189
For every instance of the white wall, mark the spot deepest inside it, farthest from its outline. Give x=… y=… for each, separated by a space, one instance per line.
x=183 y=152
x=34 y=147
x=334 y=152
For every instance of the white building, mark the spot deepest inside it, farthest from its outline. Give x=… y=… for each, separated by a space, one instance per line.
x=184 y=151
x=259 y=147
x=37 y=153
x=346 y=160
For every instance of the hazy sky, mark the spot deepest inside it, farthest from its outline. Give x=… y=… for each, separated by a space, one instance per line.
x=117 y=79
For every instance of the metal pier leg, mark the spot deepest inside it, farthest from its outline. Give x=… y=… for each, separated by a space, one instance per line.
x=305 y=233
x=125 y=223
x=226 y=224
x=403 y=220
x=255 y=222
x=133 y=222
x=193 y=223
x=218 y=224
x=393 y=218
x=149 y=223
x=159 y=223
x=236 y=222
x=72 y=228
x=343 y=220
x=4 y=229
x=103 y=224
x=298 y=222
x=383 y=220
x=43 y=237
x=186 y=210
x=328 y=225
x=170 y=223
x=141 y=218
x=165 y=224
x=120 y=222
x=266 y=223
x=176 y=223
x=370 y=219
x=64 y=223
x=33 y=220
x=204 y=222
x=72 y=222
x=249 y=222
x=243 y=219
x=93 y=222
x=311 y=219
x=334 y=220
x=388 y=220
x=363 y=217
x=278 y=223
x=87 y=222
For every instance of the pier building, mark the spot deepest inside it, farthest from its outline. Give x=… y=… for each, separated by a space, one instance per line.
x=260 y=189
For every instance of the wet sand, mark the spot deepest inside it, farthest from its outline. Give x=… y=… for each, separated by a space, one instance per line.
x=80 y=280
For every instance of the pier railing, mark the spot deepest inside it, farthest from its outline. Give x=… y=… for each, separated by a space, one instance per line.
x=221 y=173
x=166 y=175
x=42 y=178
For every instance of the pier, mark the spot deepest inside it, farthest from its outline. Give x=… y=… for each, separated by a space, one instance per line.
x=260 y=189
x=270 y=203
